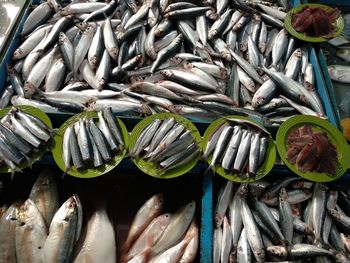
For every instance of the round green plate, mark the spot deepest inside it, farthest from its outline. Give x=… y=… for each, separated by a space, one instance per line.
x=263 y=170
x=339 y=24
x=334 y=136
x=151 y=168
x=34 y=156
x=89 y=172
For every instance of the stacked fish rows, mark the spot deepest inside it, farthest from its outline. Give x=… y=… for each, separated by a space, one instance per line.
x=21 y=134
x=238 y=146
x=155 y=237
x=290 y=219
x=149 y=57
x=85 y=143
x=167 y=143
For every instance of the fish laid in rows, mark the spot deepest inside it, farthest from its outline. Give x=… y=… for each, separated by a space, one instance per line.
x=238 y=146
x=167 y=143
x=229 y=58
x=311 y=151
x=289 y=219
x=161 y=237
x=87 y=143
x=21 y=135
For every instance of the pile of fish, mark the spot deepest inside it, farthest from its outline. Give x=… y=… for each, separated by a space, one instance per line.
x=21 y=134
x=87 y=144
x=147 y=57
x=156 y=237
x=40 y=230
x=311 y=150
x=238 y=146
x=290 y=219
x=167 y=143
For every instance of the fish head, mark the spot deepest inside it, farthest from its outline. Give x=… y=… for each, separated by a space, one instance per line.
x=156 y=202
x=331 y=70
x=298 y=53
x=68 y=211
x=82 y=25
x=335 y=214
x=218 y=218
x=164 y=220
x=65 y=11
x=12 y=212
x=223 y=73
x=17 y=54
x=189 y=210
x=283 y=195
x=343 y=53
x=277 y=251
x=29 y=90
x=27 y=212
x=243 y=189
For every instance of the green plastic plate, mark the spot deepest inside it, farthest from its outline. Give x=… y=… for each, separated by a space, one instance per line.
x=89 y=172
x=263 y=170
x=34 y=156
x=339 y=24
x=334 y=136
x=151 y=168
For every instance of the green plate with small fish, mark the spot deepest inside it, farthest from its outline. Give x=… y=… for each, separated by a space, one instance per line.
x=151 y=168
x=334 y=136
x=89 y=172
x=34 y=156
x=263 y=170
x=339 y=24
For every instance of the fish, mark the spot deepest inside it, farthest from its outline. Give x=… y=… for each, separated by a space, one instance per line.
x=64 y=231
x=166 y=153
x=148 y=237
x=339 y=73
x=135 y=47
x=31 y=233
x=176 y=228
x=103 y=244
x=150 y=210
x=343 y=54
x=253 y=235
x=8 y=223
x=223 y=203
x=298 y=239
x=44 y=195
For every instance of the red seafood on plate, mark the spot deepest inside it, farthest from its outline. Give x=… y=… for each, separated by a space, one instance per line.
x=315 y=21
x=311 y=150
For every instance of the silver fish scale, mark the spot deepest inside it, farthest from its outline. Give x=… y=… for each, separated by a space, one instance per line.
x=131 y=35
